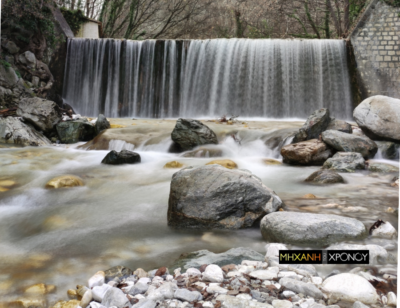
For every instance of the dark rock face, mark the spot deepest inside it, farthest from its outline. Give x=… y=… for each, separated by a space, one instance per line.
x=101 y=124
x=345 y=162
x=379 y=117
x=41 y=113
x=120 y=158
x=190 y=133
x=314 y=126
x=117 y=272
x=310 y=152
x=325 y=177
x=216 y=197
x=341 y=126
x=389 y=150
x=350 y=143
x=75 y=131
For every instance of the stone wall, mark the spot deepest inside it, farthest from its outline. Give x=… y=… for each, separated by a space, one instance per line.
x=376 y=45
x=89 y=29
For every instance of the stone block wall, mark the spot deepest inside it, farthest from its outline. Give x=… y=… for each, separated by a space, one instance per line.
x=376 y=46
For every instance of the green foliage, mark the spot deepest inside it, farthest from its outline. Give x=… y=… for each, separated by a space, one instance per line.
x=5 y=63
x=264 y=31
x=74 y=18
x=28 y=18
x=18 y=74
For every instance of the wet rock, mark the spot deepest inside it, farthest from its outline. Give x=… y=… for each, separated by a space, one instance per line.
x=340 y=126
x=382 y=168
x=216 y=197
x=310 y=152
x=173 y=164
x=310 y=229
x=11 y=47
x=141 y=273
x=232 y=256
x=350 y=287
x=213 y=273
x=75 y=131
x=350 y=143
x=119 y=271
x=8 y=77
x=385 y=230
x=65 y=181
x=115 y=297
x=13 y=130
x=186 y=295
x=72 y=294
x=388 y=149
x=309 y=196
x=120 y=158
x=86 y=298
x=379 y=117
x=40 y=289
x=345 y=162
x=101 y=124
x=204 y=152
x=227 y=163
x=297 y=286
x=41 y=113
x=325 y=177
x=97 y=279
x=98 y=292
x=271 y=162
x=81 y=290
x=190 y=133
x=314 y=126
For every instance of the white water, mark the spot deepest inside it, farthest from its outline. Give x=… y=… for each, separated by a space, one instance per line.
x=239 y=77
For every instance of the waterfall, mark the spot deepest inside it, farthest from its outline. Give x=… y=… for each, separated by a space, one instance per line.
x=210 y=78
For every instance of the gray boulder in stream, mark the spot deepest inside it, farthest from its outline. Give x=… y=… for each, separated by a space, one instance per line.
x=345 y=162
x=350 y=143
x=190 y=133
x=310 y=229
x=216 y=197
x=316 y=123
x=75 y=131
x=101 y=124
x=325 y=177
x=379 y=117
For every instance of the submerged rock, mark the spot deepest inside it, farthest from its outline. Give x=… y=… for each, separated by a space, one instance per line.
x=272 y=162
x=341 y=126
x=227 y=163
x=314 y=126
x=13 y=130
x=117 y=272
x=190 y=133
x=350 y=143
x=41 y=113
x=215 y=197
x=310 y=152
x=310 y=229
x=203 y=152
x=379 y=117
x=123 y=157
x=388 y=149
x=101 y=124
x=173 y=164
x=75 y=131
x=65 y=181
x=325 y=177
x=382 y=167
x=345 y=162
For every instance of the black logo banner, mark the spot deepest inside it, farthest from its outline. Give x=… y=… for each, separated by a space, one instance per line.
x=324 y=256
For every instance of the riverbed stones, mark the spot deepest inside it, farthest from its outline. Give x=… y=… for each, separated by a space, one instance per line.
x=297 y=286
x=64 y=181
x=385 y=230
x=325 y=177
x=379 y=117
x=216 y=197
x=345 y=162
x=101 y=124
x=316 y=123
x=341 y=126
x=120 y=158
x=115 y=297
x=310 y=152
x=213 y=273
x=186 y=295
x=382 y=167
x=351 y=288
x=350 y=143
x=119 y=272
x=227 y=163
x=98 y=292
x=310 y=229
x=75 y=131
x=97 y=279
x=189 y=133
x=41 y=113
x=13 y=130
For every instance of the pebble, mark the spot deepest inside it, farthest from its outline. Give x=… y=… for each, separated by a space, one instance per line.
x=115 y=297
x=140 y=273
x=98 y=292
x=187 y=295
x=72 y=294
x=215 y=288
x=282 y=304
x=265 y=274
x=193 y=272
x=385 y=230
x=97 y=279
x=213 y=273
x=391 y=299
x=86 y=298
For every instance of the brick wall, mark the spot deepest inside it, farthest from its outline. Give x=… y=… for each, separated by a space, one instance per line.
x=376 y=45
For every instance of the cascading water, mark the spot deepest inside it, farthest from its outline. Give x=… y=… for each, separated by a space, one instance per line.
x=240 y=77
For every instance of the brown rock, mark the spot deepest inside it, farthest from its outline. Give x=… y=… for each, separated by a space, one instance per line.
x=244 y=290
x=311 y=152
x=227 y=163
x=228 y=268
x=161 y=271
x=173 y=164
x=309 y=196
x=233 y=292
x=203 y=268
x=72 y=294
x=64 y=181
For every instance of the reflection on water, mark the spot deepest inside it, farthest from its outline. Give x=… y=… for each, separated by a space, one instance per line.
x=63 y=236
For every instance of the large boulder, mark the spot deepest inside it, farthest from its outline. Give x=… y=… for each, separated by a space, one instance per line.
x=350 y=143
x=216 y=197
x=8 y=77
x=379 y=117
x=75 y=131
x=325 y=177
x=341 y=126
x=345 y=162
x=388 y=149
x=190 y=133
x=310 y=152
x=101 y=124
x=350 y=287
x=314 y=126
x=41 y=113
x=120 y=158
x=310 y=229
x=13 y=130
